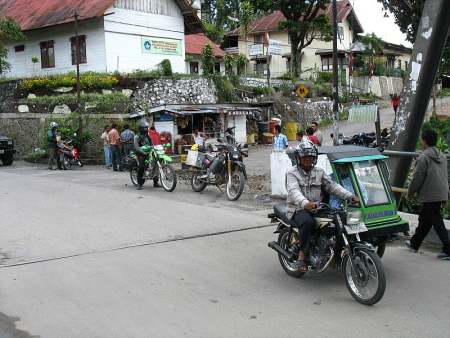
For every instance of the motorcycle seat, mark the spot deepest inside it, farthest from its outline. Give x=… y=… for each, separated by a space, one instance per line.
x=281 y=212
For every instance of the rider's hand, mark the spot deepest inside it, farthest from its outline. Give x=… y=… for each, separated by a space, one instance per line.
x=355 y=199
x=310 y=206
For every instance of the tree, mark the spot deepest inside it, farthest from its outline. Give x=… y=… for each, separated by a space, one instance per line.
x=407 y=15
x=9 y=31
x=305 y=21
x=208 y=60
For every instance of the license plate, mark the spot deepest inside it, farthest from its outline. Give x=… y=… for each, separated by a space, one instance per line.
x=2 y=151
x=355 y=228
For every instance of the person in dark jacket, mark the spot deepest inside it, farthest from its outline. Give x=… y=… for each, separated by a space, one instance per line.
x=53 y=146
x=142 y=139
x=430 y=183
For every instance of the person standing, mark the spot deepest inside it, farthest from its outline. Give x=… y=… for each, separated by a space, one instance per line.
x=106 y=148
x=430 y=183
x=395 y=101
x=154 y=136
x=127 y=140
x=114 y=143
x=280 y=141
x=317 y=132
x=313 y=138
x=53 y=146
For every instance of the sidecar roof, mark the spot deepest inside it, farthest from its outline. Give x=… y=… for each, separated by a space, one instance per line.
x=350 y=153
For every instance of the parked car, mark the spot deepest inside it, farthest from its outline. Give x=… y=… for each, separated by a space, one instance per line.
x=6 y=149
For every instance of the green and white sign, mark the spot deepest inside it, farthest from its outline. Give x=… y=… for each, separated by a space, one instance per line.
x=161 y=46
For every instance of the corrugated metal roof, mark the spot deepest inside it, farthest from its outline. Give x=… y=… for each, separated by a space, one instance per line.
x=34 y=14
x=195 y=42
x=271 y=22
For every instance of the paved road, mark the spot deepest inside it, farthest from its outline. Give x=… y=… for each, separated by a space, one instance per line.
x=85 y=255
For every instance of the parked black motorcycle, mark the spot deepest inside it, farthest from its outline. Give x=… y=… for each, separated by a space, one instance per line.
x=226 y=168
x=364 y=139
x=335 y=240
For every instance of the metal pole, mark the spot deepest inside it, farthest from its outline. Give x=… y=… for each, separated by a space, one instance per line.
x=77 y=60
x=335 y=78
x=428 y=48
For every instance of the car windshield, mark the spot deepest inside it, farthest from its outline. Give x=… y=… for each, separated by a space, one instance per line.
x=370 y=183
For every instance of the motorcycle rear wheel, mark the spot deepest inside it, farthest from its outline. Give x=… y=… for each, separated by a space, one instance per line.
x=168 y=178
x=287 y=241
x=65 y=163
x=196 y=184
x=235 y=188
x=134 y=176
x=365 y=268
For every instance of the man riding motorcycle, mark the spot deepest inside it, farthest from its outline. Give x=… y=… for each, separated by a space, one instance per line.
x=142 y=139
x=306 y=185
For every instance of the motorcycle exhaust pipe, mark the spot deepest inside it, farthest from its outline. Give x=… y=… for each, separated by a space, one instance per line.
x=275 y=246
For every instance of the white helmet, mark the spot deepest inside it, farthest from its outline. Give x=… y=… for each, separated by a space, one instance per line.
x=53 y=125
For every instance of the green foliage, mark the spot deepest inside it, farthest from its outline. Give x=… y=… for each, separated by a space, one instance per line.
x=324 y=77
x=226 y=92
x=246 y=15
x=88 y=81
x=36 y=155
x=189 y=58
x=166 y=67
x=144 y=74
x=230 y=62
x=116 y=103
x=9 y=31
x=305 y=21
x=263 y=90
x=444 y=92
x=373 y=45
x=442 y=128
x=34 y=59
x=241 y=62
x=208 y=60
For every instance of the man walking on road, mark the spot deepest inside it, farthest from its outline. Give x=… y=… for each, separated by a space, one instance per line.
x=114 y=141
x=280 y=141
x=53 y=146
x=317 y=132
x=127 y=140
x=430 y=182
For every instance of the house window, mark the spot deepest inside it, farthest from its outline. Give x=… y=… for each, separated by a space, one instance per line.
x=340 y=32
x=193 y=68
x=217 y=68
x=19 y=48
x=406 y=65
x=260 y=67
x=327 y=63
x=82 y=44
x=259 y=38
x=47 y=54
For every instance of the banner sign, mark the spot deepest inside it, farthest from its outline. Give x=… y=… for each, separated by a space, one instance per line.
x=275 y=47
x=161 y=46
x=256 y=49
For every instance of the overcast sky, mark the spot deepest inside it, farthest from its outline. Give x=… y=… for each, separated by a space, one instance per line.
x=371 y=15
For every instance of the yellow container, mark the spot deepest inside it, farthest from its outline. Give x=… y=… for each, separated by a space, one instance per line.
x=291 y=130
x=251 y=139
x=183 y=158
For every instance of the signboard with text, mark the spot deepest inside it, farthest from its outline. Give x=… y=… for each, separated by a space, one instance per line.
x=275 y=47
x=256 y=49
x=162 y=46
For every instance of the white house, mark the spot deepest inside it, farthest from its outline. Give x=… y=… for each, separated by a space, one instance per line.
x=194 y=47
x=114 y=35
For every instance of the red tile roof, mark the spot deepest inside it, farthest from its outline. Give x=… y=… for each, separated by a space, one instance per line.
x=34 y=14
x=195 y=42
x=270 y=23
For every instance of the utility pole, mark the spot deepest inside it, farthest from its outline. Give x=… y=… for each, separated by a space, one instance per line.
x=428 y=48
x=77 y=60
x=335 y=78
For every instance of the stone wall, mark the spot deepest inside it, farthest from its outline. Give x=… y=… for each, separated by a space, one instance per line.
x=166 y=91
x=7 y=96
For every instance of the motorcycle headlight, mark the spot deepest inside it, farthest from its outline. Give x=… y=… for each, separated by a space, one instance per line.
x=235 y=156
x=354 y=217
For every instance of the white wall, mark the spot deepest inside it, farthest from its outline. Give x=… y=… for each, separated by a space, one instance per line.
x=123 y=39
x=240 y=122
x=21 y=64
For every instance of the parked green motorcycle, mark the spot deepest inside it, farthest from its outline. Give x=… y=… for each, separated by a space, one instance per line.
x=157 y=164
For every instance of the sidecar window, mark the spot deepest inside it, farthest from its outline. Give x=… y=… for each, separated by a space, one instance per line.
x=370 y=183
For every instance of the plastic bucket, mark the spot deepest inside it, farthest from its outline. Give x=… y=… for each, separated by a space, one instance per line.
x=291 y=131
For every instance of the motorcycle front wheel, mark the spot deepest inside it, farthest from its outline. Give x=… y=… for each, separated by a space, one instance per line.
x=235 y=186
x=197 y=184
x=168 y=178
x=364 y=276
